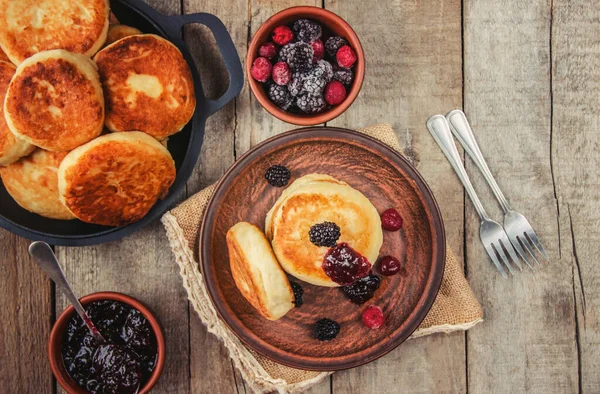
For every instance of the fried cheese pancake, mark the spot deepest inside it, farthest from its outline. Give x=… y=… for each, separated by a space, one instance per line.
x=318 y=202
x=256 y=272
x=148 y=86
x=33 y=183
x=31 y=26
x=116 y=32
x=12 y=148
x=116 y=178
x=55 y=101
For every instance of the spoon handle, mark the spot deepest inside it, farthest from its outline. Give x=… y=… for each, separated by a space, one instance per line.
x=42 y=253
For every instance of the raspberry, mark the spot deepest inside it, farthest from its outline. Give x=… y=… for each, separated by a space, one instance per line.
x=344 y=75
x=335 y=93
x=261 y=69
x=324 y=234
x=362 y=290
x=278 y=176
x=345 y=56
x=297 y=55
x=281 y=73
x=311 y=104
x=298 y=292
x=333 y=44
x=267 y=50
x=391 y=220
x=307 y=30
x=279 y=95
x=296 y=85
x=318 y=49
x=389 y=266
x=282 y=35
x=326 y=329
x=373 y=317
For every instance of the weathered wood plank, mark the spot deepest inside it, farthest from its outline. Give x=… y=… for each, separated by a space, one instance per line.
x=414 y=70
x=25 y=317
x=527 y=343
x=575 y=160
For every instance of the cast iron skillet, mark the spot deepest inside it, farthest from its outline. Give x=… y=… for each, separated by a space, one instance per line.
x=184 y=146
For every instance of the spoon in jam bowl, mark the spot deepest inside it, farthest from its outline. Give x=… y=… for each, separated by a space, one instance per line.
x=42 y=253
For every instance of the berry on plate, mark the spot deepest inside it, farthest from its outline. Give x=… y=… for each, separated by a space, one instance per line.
x=389 y=265
x=335 y=93
x=324 y=234
x=373 y=317
x=391 y=220
x=326 y=329
x=282 y=35
x=277 y=176
x=261 y=69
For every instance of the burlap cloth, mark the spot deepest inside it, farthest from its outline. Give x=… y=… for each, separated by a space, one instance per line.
x=455 y=307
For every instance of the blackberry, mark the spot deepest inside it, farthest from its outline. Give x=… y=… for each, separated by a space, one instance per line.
x=326 y=329
x=344 y=75
x=310 y=103
x=280 y=96
x=362 y=290
x=323 y=68
x=307 y=30
x=324 y=234
x=296 y=84
x=298 y=55
x=298 y=292
x=278 y=176
x=333 y=44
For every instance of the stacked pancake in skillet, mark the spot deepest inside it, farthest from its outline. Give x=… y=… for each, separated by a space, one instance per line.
x=63 y=94
x=313 y=199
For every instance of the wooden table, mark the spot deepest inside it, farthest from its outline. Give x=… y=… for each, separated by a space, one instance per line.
x=527 y=73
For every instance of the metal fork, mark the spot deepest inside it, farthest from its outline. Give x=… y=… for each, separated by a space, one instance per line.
x=492 y=234
x=517 y=227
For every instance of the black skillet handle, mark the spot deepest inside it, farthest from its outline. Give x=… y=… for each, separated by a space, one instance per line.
x=226 y=47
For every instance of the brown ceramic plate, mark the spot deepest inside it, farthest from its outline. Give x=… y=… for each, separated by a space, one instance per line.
x=388 y=180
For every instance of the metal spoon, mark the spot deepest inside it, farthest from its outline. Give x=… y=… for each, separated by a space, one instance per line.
x=45 y=257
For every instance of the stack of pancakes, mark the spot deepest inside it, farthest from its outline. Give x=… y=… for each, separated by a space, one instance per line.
x=82 y=129
x=310 y=200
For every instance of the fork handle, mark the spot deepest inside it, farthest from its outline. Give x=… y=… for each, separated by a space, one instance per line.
x=462 y=131
x=440 y=130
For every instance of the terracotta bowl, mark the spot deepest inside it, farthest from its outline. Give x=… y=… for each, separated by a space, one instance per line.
x=56 y=337
x=335 y=25
x=387 y=180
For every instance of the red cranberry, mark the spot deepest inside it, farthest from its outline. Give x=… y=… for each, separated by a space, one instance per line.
x=282 y=35
x=281 y=73
x=345 y=56
x=261 y=69
x=389 y=266
x=345 y=265
x=268 y=50
x=391 y=220
x=373 y=317
x=318 y=49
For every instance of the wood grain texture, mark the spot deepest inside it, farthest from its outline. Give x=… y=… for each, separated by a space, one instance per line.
x=528 y=342
x=413 y=57
x=575 y=162
x=26 y=318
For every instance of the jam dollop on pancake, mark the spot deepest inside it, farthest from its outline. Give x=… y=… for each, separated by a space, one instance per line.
x=148 y=86
x=54 y=101
x=31 y=26
x=115 y=179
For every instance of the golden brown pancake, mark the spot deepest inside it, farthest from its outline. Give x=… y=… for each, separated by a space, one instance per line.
x=31 y=26
x=3 y=56
x=256 y=272
x=148 y=86
x=33 y=183
x=116 y=178
x=12 y=148
x=116 y=32
x=55 y=101
x=318 y=202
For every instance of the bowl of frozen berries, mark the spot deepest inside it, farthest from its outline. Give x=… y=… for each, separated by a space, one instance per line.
x=305 y=65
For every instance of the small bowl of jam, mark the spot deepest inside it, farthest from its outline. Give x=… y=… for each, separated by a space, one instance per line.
x=130 y=361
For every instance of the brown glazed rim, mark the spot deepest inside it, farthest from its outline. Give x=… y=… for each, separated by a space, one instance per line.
x=329 y=19
x=56 y=337
x=312 y=363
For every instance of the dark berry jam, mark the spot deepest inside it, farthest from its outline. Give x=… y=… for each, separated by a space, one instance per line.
x=345 y=265
x=389 y=266
x=122 y=364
